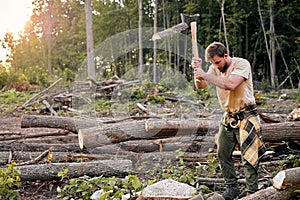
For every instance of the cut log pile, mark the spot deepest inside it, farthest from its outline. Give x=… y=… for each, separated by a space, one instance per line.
x=90 y=146
x=133 y=140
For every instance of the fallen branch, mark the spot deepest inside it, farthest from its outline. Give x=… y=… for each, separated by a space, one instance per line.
x=42 y=92
x=35 y=160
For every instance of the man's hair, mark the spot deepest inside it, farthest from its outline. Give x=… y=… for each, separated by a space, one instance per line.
x=215 y=48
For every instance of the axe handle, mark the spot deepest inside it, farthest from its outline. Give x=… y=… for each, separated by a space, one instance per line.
x=194 y=39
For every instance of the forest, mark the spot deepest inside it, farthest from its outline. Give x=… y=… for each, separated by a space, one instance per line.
x=99 y=108
x=54 y=42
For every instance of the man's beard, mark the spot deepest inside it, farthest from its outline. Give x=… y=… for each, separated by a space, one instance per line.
x=225 y=67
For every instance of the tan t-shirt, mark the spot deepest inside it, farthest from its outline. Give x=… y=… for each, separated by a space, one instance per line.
x=242 y=96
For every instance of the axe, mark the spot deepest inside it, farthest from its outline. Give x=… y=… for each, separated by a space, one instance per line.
x=194 y=39
x=185 y=23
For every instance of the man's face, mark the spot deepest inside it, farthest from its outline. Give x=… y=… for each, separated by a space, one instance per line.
x=220 y=62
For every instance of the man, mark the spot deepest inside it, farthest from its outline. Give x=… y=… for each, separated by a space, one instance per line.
x=240 y=123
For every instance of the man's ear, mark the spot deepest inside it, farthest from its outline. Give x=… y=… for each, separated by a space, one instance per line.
x=225 y=55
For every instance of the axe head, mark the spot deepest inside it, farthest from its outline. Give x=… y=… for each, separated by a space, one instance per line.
x=189 y=18
x=185 y=24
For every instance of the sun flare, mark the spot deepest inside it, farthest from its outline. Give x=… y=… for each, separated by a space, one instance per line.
x=13 y=15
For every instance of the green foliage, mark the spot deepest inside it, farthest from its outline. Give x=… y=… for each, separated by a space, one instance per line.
x=139 y=93
x=113 y=188
x=7 y=78
x=295 y=159
x=63 y=174
x=10 y=99
x=259 y=98
x=265 y=86
x=37 y=75
x=9 y=180
x=104 y=188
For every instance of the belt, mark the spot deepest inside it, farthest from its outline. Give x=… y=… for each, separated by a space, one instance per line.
x=247 y=111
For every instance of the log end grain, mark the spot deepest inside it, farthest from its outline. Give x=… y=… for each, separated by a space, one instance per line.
x=278 y=180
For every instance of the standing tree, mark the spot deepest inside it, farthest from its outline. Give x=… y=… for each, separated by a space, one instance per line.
x=154 y=42
x=140 y=4
x=90 y=41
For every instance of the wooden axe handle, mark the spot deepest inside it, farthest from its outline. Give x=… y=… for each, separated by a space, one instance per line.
x=194 y=39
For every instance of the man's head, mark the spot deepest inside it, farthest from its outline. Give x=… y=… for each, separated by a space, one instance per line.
x=216 y=53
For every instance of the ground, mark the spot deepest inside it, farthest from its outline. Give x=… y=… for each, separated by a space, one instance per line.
x=47 y=190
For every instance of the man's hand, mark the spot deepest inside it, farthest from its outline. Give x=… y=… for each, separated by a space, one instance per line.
x=196 y=62
x=197 y=65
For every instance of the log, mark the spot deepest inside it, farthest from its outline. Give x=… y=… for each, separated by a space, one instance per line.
x=47 y=172
x=272 y=194
x=156 y=128
x=287 y=178
x=67 y=123
x=57 y=157
x=26 y=136
x=145 y=129
x=149 y=129
x=30 y=146
x=285 y=131
x=185 y=143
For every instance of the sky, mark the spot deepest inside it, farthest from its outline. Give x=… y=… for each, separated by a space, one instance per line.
x=13 y=16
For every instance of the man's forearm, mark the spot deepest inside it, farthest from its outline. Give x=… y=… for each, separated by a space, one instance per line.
x=215 y=80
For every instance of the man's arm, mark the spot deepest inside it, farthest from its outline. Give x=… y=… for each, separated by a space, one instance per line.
x=230 y=83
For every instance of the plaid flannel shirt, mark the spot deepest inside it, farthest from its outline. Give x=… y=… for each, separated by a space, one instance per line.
x=252 y=146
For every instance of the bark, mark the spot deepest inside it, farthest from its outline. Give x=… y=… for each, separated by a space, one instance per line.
x=67 y=123
x=277 y=132
x=100 y=134
x=108 y=168
x=140 y=37
x=272 y=194
x=24 y=136
x=91 y=69
x=185 y=143
x=152 y=129
x=31 y=146
x=149 y=129
x=56 y=157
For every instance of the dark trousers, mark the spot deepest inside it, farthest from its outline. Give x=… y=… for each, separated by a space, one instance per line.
x=226 y=142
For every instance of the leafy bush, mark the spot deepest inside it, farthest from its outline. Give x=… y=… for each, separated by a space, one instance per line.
x=9 y=180
x=37 y=75
x=104 y=188
x=8 y=78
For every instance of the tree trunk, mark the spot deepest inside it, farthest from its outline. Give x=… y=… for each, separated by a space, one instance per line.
x=266 y=42
x=141 y=60
x=108 y=168
x=90 y=41
x=154 y=43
